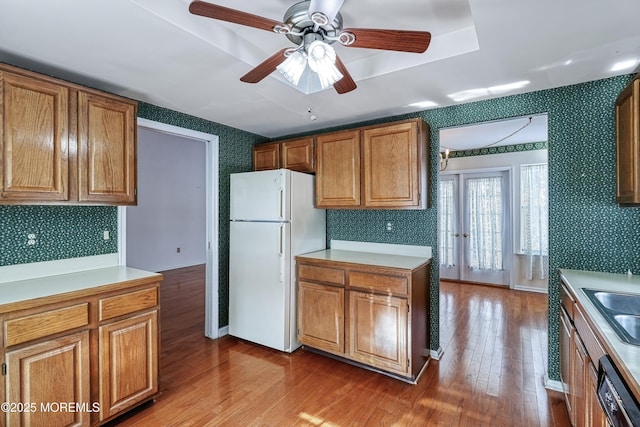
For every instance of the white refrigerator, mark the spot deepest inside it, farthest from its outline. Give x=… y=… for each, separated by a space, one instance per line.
x=273 y=219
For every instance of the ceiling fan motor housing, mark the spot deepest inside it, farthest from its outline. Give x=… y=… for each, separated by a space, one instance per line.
x=298 y=19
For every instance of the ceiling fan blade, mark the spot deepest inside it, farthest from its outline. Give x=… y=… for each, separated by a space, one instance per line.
x=398 y=40
x=231 y=15
x=265 y=68
x=329 y=8
x=346 y=83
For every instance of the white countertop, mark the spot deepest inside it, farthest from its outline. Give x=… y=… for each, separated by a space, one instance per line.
x=627 y=354
x=368 y=258
x=23 y=290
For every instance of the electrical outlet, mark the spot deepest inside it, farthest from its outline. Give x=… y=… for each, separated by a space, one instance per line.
x=178 y=250
x=388 y=226
x=31 y=239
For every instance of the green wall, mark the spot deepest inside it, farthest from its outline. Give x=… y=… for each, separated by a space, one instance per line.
x=587 y=229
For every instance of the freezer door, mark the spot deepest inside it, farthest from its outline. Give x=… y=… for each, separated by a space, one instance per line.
x=260 y=283
x=260 y=196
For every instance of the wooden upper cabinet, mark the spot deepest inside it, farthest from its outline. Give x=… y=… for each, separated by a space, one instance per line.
x=628 y=144
x=266 y=156
x=298 y=154
x=392 y=166
x=338 y=170
x=106 y=149
x=34 y=139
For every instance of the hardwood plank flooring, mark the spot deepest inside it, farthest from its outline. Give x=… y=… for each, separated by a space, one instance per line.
x=491 y=372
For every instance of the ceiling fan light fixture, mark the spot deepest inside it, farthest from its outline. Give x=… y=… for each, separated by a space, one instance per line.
x=322 y=60
x=322 y=12
x=293 y=67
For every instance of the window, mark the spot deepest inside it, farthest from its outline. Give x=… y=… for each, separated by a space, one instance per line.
x=534 y=218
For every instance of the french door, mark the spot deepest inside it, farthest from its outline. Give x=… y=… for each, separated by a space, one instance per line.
x=474 y=227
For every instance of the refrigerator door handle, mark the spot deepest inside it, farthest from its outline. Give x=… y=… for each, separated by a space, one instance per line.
x=282 y=208
x=281 y=253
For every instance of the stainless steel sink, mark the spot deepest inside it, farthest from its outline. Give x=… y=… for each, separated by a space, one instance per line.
x=621 y=310
x=621 y=303
x=631 y=324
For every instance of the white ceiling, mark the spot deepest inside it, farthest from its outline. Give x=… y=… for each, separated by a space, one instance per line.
x=156 y=51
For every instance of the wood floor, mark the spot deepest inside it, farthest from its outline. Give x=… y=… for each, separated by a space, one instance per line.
x=490 y=374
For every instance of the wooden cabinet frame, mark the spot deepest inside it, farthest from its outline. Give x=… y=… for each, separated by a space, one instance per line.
x=62 y=143
x=628 y=144
x=96 y=347
x=341 y=306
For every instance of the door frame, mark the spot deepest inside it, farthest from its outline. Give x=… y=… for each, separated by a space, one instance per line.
x=212 y=229
x=509 y=218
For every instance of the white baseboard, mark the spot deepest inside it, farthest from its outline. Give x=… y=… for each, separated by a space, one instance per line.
x=223 y=331
x=554 y=385
x=436 y=354
x=33 y=270
x=531 y=289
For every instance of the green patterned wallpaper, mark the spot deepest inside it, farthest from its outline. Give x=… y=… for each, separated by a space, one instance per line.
x=588 y=230
x=516 y=148
x=61 y=232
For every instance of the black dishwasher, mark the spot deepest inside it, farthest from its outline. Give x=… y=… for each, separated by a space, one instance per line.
x=616 y=399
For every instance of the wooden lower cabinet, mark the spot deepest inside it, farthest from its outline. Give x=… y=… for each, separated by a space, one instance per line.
x=42 y=377
x=128 y=362
x=579 y=355
x=321 y=316
x=378 y=331
x=80 y=360
x=372 y=315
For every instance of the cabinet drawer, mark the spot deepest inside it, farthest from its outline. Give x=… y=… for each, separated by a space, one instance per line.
x=127 y=303
x=587 y=336
x=34 y=326
x=397 y=285
x=567 y=301
x=321 y=274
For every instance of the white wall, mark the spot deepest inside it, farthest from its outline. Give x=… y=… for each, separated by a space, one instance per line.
x=514 y=160
x=171 y=210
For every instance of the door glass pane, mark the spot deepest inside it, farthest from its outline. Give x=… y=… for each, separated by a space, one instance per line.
x=447 y=222
x=484 y=201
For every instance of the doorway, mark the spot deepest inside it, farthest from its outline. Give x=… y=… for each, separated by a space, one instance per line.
x=517 y=148
x=208 y=242
x=475 y=230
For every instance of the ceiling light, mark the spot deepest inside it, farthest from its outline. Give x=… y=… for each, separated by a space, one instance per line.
x=423 y=104
x=466 y=95
x=320 y=58
x=624 y=65
x=293 y=67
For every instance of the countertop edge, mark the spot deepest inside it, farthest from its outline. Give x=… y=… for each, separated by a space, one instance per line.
x=624 y=355
x=30 y=293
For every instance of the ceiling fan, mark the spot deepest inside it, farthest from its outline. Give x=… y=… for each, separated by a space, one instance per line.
x=314 y=25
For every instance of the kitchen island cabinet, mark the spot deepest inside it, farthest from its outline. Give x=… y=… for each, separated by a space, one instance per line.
x=369 y=309
x=62 y=143
x=88 y=339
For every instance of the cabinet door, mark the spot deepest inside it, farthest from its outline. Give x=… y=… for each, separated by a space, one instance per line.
x=338 y=170
x=298 y=155
x=378 y=331
x=266 y=156
x=627 y=144
x=128 y=352
x=321 y=316
x=106 y=150
x=595 y=414
x=579 y=371
x=34 y=139
x=391 y=166
x=48 y=375
x=566 y=338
